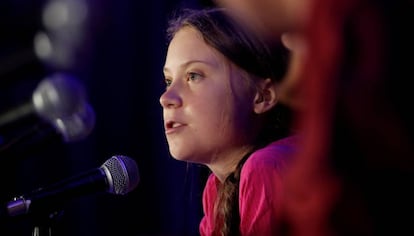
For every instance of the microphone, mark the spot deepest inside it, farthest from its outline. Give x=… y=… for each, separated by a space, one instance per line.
x=118 y=175
x=57 y=96
x=60 y=44
x=76 y=126
x=72 y=128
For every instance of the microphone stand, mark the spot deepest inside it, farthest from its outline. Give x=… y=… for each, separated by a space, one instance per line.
x=46 y=224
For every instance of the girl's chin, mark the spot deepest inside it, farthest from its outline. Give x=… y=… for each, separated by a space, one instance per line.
x=185 y=158
x=181 y=158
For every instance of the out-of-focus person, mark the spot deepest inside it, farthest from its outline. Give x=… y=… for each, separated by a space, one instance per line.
x=352 y=85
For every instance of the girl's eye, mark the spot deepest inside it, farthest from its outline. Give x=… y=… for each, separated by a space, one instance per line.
x=192 y=76
x=167 y=82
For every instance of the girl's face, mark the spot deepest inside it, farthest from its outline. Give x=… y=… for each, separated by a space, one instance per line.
x=207 y=106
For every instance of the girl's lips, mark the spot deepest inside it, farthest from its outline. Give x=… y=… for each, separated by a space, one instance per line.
x=172 y=126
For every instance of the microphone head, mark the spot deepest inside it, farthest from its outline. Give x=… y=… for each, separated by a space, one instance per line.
x=76 y=126
x=58 y=96
x=122 y=174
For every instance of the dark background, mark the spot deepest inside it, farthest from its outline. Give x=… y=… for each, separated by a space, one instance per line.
x=119 y=61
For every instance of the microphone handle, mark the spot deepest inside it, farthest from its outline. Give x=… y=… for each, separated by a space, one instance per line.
x=16 y=114
x=28 y=141
x=49 y=198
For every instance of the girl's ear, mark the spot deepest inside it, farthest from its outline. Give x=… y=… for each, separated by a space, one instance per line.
x=266 y=97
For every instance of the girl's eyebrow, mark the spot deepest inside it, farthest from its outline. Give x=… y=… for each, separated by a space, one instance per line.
x=186 y=64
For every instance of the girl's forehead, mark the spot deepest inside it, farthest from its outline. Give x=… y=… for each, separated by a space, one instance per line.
x=188 y=45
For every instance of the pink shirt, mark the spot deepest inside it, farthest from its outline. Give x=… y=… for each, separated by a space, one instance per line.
x=261 y=191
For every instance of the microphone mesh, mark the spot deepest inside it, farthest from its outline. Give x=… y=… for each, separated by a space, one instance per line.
x=77 y=126
x=124 y=173
x=57 y=96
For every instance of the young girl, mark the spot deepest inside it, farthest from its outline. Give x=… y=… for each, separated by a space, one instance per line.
x=221 y=109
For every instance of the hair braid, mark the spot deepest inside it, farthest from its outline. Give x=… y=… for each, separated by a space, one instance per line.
x=227 y=204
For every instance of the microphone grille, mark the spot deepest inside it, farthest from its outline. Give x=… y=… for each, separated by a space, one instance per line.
x=58 y=96
x=77 y=126
x=124 y=173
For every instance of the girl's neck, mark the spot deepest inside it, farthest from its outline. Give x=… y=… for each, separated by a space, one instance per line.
x=225 y=163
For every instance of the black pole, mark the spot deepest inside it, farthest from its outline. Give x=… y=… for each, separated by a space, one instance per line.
x=45 y=224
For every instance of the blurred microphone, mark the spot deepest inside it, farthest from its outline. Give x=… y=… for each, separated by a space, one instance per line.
x=118 y=175
x=77 y=126
x=57 y=96
x=68 y=129
x=61 y=43
x=60 y=103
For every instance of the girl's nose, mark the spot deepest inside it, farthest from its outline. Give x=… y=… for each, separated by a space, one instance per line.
x=170 y=99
